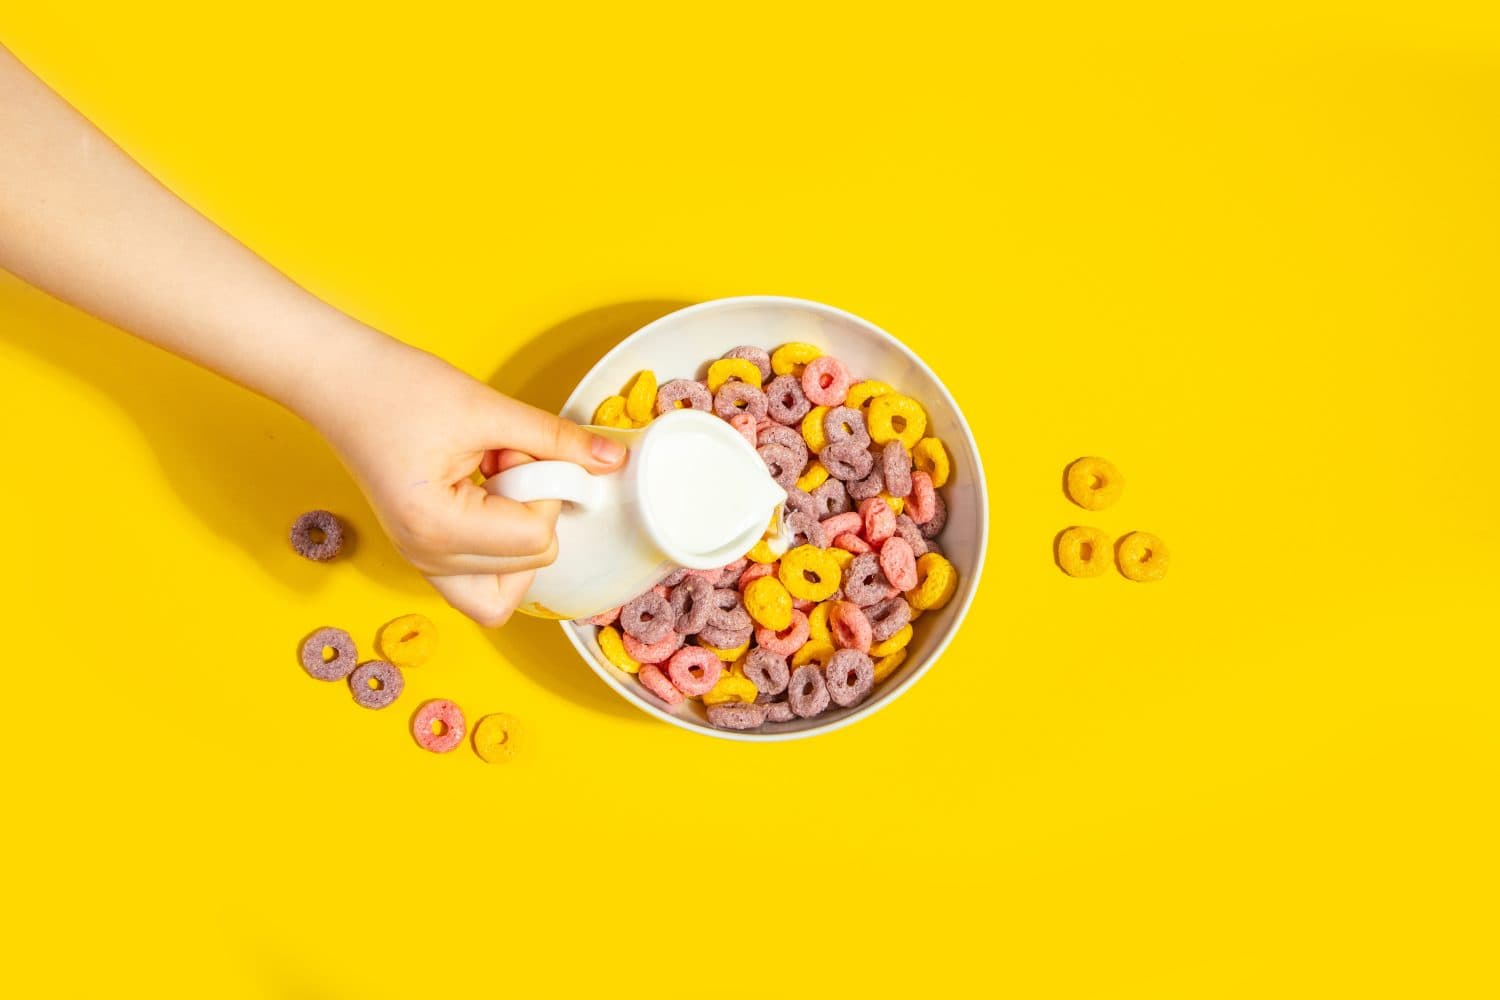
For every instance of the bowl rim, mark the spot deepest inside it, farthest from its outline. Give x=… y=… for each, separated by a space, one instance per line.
x=574 y=634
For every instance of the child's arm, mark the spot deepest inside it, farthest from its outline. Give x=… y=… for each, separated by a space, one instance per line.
x=81 y=220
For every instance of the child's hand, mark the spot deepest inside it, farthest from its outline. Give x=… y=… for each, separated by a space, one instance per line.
x=413 y=430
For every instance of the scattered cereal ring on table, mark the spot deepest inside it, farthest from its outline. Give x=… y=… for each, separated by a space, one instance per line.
x=809 y=572
x=640 y=398
x=376 y=684
x=328 y=654
x=1093 y=483
x=861 y=393
x=495 y=738
x=788 y=640
x=813 y=431
x=1142 y=557
x=786 y=403
x=693 y=670
x=937 y=582
x=769 y=603
x=683 y=393
x=611 y=413
x=317 y=535
x=849 y=676
x=814 y=477
x=887 y=665
x=757 y=356
x=736 y=715
x=767 y=671
x=931 y=457
x=894 y=417
x=825 y=381
x=408 y=641
x=725 y=370
x=438 y=725
x=731 y=687
x=739 y=397
x=791 y=359
x=807 y=694
x=898 y=640
x=653 y=680
x=1083 y=551
x=613 y=649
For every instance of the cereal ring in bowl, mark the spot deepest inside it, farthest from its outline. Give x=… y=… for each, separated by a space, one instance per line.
x=680 y=346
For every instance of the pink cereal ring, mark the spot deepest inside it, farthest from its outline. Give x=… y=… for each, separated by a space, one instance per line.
x=605 y=617
x=921 y=503
x=754 y=572
x=693 y=670
x=653 y=680
x=880 y=520
x=841 y=524
x=788 y=640
x=825 y=381
x=849 y=626
x=899 y=563
x=652 y=652
x=450 y=720
x=745 y=424
x=851 y=542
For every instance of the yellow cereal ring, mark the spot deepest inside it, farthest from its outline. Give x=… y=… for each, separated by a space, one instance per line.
x=896 y=504
x=761 y=553
x=861 y=393
x=895 y=642
x=819 y=650
x=640 y=399
x=886 y=410
x=495 y=737
x=812 y=429
x=936 y=582
x=727 y=655
x=1143 y=557
x=1092 y=483
x=769 y=603
x=724 y=369
x=817 y=622
x=790 y=359
x=886 y=665
x=810 y=573
x=1082 y=551
x=931 y=457
x=613 y=648
x=731 y=686
x=611 y=413
x=814 y=477
x=409 y=641
x=841 y=556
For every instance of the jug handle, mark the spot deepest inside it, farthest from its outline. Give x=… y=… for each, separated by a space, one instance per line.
x=548 y=481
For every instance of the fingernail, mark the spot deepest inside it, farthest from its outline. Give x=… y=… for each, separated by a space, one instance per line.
x=607 y=451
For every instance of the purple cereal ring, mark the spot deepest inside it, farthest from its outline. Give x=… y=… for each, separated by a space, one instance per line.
x=847 y=460
x=671 y=580
x=736 y=715
x=831 y=498
x=325 y=668
x=801 y=502
x=870 y=486
x=844 y=423
x=888 y=617
x=825 y=381
x=767 y=671
x=690 y=601
x=735 y=398
x=724 y=638
x=782 y=464
x=779 y=711
x=805 y=529
x=907 y=528
x=849 y=677
x=648 y=618
x=806 y=692
x=757 y=356
x=694 y=671
x=787 y=438
x=864 y=583
x=450 y=720
x=934 y=524
x=317 y=535
x=729 y=576
x=726 y=610
x=376 y=684
x=694 y=395
x=785 y=401
x=895 y=468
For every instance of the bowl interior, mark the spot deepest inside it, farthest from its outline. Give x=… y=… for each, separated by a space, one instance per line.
x=682 y=344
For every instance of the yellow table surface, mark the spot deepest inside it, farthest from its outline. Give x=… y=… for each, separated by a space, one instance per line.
x=1251 y=261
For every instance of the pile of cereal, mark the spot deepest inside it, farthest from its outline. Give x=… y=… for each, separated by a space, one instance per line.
x=832 y=617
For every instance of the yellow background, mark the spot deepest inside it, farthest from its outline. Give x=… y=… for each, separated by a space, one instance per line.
x=1250 y=258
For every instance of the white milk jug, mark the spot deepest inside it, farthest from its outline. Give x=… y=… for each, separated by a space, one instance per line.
x=692 y=493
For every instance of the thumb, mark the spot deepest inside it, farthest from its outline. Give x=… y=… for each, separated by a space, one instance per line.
x=542 y=435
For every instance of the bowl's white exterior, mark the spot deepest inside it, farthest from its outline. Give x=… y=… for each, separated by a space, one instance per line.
x=681 y=345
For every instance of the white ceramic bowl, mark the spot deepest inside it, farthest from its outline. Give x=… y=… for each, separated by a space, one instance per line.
x=681 y=345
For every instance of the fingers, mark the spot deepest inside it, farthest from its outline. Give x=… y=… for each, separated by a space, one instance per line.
x=489 y=600
x=469 y=563
x=488 y=525
x=543 y=435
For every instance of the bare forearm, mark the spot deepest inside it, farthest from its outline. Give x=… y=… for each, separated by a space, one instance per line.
x=83 y=221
